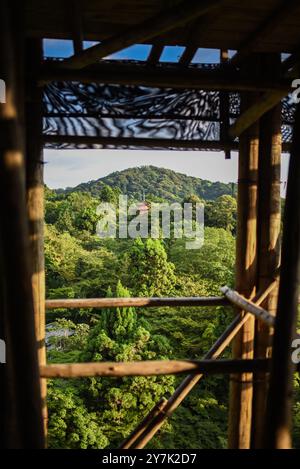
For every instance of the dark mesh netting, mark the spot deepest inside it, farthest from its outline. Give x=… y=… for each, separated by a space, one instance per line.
x=138 y=112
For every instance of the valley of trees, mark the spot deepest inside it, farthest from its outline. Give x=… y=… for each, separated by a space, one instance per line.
x=101 y=412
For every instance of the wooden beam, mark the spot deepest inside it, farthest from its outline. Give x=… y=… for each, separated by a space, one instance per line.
x=269 y=226
x=20 y=406
x=74 y=12
x=254 y=112
x=187 y=55
x=35 y=200
x=191 y=380
x=148 y=142
x=200 y=29
x=136 y=302
x=155 y=54
x=265 y=103
x=165 y=21
x=164 y=77
x=224 y=108
x=152 y=368
x=266 y=30
x=140 y=142
x=247 y=305
x=240 y=399
x=279 y=407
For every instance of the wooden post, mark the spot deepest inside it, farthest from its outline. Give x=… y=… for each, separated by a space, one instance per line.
x=279 y=406
x=20 y=415
x=35 y=199
x=224 y=108
x=240 y=406
x=190 y=381
x=268 y=241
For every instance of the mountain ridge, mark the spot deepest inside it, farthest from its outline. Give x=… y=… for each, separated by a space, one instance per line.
x=152 y=181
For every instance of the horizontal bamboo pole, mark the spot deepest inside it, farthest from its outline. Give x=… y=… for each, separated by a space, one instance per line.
x=248 y=305
x=138 y=302
x=191 y=380
x=152 y=368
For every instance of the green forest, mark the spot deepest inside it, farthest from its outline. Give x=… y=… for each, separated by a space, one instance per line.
x=101 y=412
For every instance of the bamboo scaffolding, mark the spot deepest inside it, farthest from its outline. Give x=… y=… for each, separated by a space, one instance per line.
x=137 y=302
x=20 y=406
x=269 y=226
x=248 y=305
x=152 y=368
x=241 y=389
x=191 y=380
x=279 y=406
x=35 y=202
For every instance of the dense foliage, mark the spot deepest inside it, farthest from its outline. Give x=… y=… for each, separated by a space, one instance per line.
x=101 y=412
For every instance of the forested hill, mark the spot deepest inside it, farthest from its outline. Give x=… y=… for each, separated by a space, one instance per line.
x=156 y=182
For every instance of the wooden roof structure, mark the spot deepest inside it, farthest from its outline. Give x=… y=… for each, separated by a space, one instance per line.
x=266 y=293
x=256 y=26
x=262 y=27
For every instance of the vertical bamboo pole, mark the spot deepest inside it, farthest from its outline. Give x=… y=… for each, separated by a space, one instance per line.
x=240 y=405
x=279 y=406
x=35 y=200
x=269 y=217
x=20 y=417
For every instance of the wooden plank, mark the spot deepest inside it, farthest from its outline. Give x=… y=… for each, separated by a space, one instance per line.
x=152 y=368
x=162 y=23
x=165 y=77
x=137 y=302
x=279 y=407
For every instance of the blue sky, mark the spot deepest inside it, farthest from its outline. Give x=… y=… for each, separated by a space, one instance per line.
x=70 y=167
x=64 y=48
